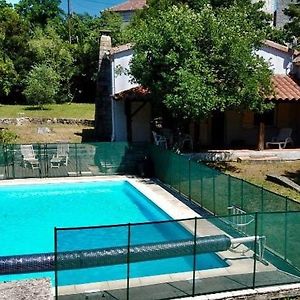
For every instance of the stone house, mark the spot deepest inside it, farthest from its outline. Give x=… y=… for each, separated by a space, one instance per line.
x=274 y=7
x=124 y=113
x=128 y=8
x=123 y=110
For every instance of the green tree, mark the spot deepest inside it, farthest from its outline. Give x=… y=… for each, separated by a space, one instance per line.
x=14 y=35
x=49 y=49
x=39 y=12
x=198 y=62
x=292 y=28
x=4 y=4
x=8 y=75
x=42 y=85
x=85 y=31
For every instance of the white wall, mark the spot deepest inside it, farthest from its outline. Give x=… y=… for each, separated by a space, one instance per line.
x=120 y=65
x=122 y=82
x=280 y=62
x=141 y=123
x=120 y=121
x=269 y=5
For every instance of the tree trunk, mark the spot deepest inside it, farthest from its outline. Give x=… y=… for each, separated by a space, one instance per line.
x=261 y=137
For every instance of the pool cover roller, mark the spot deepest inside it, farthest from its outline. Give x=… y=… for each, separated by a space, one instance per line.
x=111 y=256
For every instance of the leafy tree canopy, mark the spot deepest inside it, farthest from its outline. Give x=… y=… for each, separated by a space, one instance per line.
x=42 y=85
x=39 y=12
x=201 y=61
x=292 y=28
x=49 y=49
x=8 y=74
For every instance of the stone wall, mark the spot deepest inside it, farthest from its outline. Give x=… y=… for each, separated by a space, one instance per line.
x=28 y=120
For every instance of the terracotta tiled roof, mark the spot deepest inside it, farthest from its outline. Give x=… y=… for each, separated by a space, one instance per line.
x=286 y=88
x=129 y=5
x=138 y=92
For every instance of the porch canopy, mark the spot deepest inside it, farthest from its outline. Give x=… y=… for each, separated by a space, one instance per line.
x=286 y=88
x=140 y=96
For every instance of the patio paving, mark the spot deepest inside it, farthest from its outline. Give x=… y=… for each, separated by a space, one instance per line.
x=248 y=155
x=184 y=288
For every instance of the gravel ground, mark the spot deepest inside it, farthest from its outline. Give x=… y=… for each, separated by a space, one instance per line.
x=35 y=289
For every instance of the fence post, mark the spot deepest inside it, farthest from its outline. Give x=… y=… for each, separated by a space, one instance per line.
x=128 y=261
x=46 y=163
x=255 y=250
x=40 y=159
x=242 y=194
x=13 y=162
x=55 y=263
x=262 y=199
x=76 y=160
x=179 y=177
x=6 y=169
x=285 y=227
x=201 y=192
x=190 y=184
x=214 y=195
x=229 y=191
x=262 y=210
x=195 y=257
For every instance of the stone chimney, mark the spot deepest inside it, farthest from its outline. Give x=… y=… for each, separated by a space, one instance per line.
x=103 y=121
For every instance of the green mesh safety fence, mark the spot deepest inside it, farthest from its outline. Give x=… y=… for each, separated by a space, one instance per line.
x=282 y=244
x=67 y=159
x=213 y=190
x=171 y=259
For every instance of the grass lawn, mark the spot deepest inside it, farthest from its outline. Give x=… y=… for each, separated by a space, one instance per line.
x=28 y=133
x=73 y=110
x=256 y=173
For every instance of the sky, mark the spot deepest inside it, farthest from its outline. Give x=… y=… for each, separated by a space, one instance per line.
x=93 y=7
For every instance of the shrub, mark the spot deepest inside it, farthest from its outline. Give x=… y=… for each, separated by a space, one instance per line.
x=7 y=137
x=42 y=85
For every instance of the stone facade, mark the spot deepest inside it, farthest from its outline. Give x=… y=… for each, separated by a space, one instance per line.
x=103 y=111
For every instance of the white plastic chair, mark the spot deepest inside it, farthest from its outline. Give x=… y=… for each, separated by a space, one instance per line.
x=282 y=139
x=28 y=156
x=61 y=156
x=187 y=140
x=159 y=140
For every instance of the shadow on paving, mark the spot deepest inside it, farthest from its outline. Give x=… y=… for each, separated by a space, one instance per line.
x=184 y=288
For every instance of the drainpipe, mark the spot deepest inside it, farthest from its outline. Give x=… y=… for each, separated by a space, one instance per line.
x=113 y=90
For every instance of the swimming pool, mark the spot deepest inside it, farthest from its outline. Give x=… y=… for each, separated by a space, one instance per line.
x=29 y=214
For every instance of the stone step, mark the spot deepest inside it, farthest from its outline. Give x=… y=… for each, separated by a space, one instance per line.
x=284 y=181
x=258 y=159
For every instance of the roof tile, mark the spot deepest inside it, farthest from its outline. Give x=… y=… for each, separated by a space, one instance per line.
x=286 y=88
x=129 y=5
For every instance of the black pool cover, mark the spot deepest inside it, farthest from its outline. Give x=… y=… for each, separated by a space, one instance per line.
x=111 y=256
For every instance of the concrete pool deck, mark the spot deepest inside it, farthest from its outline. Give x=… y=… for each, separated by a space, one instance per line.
x=236 y=276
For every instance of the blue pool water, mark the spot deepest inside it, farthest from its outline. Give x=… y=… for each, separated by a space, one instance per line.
x=29 y=214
